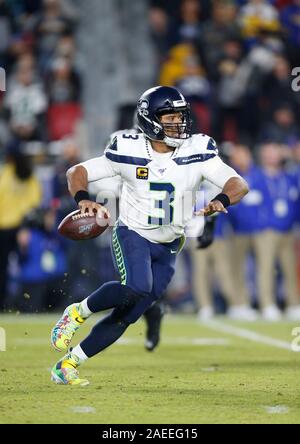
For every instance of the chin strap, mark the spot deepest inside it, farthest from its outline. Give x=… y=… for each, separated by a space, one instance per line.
x=173 y=143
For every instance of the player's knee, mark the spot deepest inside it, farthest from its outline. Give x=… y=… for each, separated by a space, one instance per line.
x=123 y=316
x=138 y=310
x=130 y=296
x=118 y=315
x=130 y=313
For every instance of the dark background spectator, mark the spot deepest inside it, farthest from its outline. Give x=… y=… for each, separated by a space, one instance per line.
x=26 y=103
x=42 y=264
x=51 y=23
x=63 y=83
x=19 y=194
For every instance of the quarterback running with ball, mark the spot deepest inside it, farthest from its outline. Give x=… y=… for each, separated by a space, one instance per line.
x=161 y=169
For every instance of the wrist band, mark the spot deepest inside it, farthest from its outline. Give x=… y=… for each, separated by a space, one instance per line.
x=81 y=195
x=223 y=198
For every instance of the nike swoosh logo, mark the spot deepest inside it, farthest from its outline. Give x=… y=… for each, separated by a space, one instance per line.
x=77 y=320
x=71 y=365
x=173 y=251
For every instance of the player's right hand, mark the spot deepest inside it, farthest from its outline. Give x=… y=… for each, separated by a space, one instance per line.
x=89 y=206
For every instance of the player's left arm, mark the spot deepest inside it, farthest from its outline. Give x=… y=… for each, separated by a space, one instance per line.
x=233 y=186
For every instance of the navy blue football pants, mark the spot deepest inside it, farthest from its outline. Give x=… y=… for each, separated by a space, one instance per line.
x=145 y=270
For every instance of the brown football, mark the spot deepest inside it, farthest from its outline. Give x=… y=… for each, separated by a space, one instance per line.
x=78 y=226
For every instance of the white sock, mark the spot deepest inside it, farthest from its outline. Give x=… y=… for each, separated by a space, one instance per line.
x=84 y=310
x=77 y=351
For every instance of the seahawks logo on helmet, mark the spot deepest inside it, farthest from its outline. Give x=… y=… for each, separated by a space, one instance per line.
x=143 y=106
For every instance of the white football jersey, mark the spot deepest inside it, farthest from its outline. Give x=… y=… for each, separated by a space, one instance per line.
x=159 y=190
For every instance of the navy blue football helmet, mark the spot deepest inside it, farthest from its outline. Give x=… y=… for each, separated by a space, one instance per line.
x=156 y=102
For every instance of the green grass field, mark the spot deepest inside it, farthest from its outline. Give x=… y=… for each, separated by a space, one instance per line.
x=199 y=374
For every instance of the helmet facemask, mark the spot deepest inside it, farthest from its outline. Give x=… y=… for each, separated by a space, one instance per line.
x=174 y=133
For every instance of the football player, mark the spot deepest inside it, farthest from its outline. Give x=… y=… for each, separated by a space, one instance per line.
x=154 y=314
x=160 y=169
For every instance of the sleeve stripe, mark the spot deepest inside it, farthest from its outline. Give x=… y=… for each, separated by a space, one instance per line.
x=193 y=158
x=127 y=159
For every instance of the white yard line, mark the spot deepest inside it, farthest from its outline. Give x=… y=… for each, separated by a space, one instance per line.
x=83 y=409
x=222 y=327
x=276 y=409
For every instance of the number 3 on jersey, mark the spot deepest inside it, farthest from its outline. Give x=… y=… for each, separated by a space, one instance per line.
x=164 y=205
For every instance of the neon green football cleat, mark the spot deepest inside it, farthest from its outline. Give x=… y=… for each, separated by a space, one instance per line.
x=65 y=328
x=65 y=371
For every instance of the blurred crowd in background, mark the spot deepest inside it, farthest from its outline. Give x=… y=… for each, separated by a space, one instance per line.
x=233 y=60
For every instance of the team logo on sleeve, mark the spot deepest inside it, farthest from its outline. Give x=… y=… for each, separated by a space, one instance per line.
x=142 y=173
x=212 y=145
